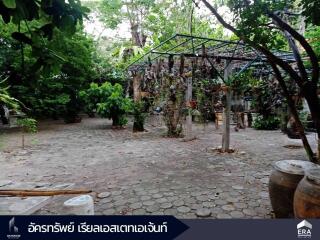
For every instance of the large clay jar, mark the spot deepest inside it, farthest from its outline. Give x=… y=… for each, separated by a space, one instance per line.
x=307 y=195
x=282 y=184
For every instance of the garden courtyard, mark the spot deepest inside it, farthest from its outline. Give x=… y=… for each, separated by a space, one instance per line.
x=148 y=173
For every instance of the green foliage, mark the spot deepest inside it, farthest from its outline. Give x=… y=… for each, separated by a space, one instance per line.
x=37 y=20
x=10 y=3
x=269 y=123
x=139 y=116
x=49 y=90
x=311 y=11
x=313 y=35
x=252 y=21
x=112 y=14
x=45 y=61
x=28 y=124
x=5 y=98
x=108 y=72
x=303 y=116
x=266 y=92
x=59 y=13
x=153 y=21
x=203 y=101
x=243 y=82
x=108 y=101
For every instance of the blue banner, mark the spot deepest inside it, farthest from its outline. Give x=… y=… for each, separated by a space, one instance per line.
x=90 y=227
x=153 y=228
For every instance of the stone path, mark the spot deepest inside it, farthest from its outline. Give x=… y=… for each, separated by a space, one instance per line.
x=146 y=173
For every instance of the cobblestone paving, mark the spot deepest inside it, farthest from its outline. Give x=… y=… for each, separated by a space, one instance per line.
x=146 y=173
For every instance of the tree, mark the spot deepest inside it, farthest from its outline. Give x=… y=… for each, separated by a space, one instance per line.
x=168 y=17
x=44 y=16
x=47 y=85
x=255 y=23
x=313 y=36
x=118 y=11
x=158 y=20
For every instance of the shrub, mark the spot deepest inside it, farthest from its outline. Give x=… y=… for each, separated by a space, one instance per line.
x=28 y=124
x=108 y=101
x=266 y=123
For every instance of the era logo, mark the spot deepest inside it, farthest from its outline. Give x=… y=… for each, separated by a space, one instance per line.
x=304 y=229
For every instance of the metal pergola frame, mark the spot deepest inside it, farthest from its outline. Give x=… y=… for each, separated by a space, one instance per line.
x=237 y=55
x=177 y=45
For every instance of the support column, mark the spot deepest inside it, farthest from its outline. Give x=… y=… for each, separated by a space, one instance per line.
x=226 y=110
x=189 y=134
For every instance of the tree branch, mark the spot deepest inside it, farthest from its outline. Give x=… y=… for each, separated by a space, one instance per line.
x=296 y=55
x=302 y=41
x=294 y=113
x=284 y=65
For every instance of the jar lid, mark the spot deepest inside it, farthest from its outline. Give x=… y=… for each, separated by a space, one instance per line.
x=296 y=167
x=313 y=174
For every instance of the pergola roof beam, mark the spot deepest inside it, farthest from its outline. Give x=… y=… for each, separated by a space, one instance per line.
x=198 y=46
x=209 y=48
x=230 y=50
x=150 y=51
x=210 y=39
x=236 y=58
x=188 y=40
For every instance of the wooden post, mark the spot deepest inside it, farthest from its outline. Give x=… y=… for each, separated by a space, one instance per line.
x=23 y=140
x=189 y=116
x=189 y=135
x=226 y=111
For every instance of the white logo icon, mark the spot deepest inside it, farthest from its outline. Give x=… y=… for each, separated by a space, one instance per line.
x=304 y=229
x=13 y=230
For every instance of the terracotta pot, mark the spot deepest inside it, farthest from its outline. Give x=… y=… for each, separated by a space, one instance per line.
x=283 y=183
x=307 y=195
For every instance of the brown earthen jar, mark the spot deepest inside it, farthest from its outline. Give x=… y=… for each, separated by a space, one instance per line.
x=307 y=195
x=282 y=184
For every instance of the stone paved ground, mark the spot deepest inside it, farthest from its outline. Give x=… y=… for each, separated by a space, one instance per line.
x=146 y=173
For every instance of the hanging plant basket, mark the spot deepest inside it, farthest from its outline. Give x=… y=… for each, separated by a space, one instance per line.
x=225 y=88
x=193 y=104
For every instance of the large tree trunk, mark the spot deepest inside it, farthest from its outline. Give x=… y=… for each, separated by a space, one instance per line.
x=310 y=94
x=172 y=111
x=172 y=114
x=294 y=113
x=136 y=39
x=115 y=121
